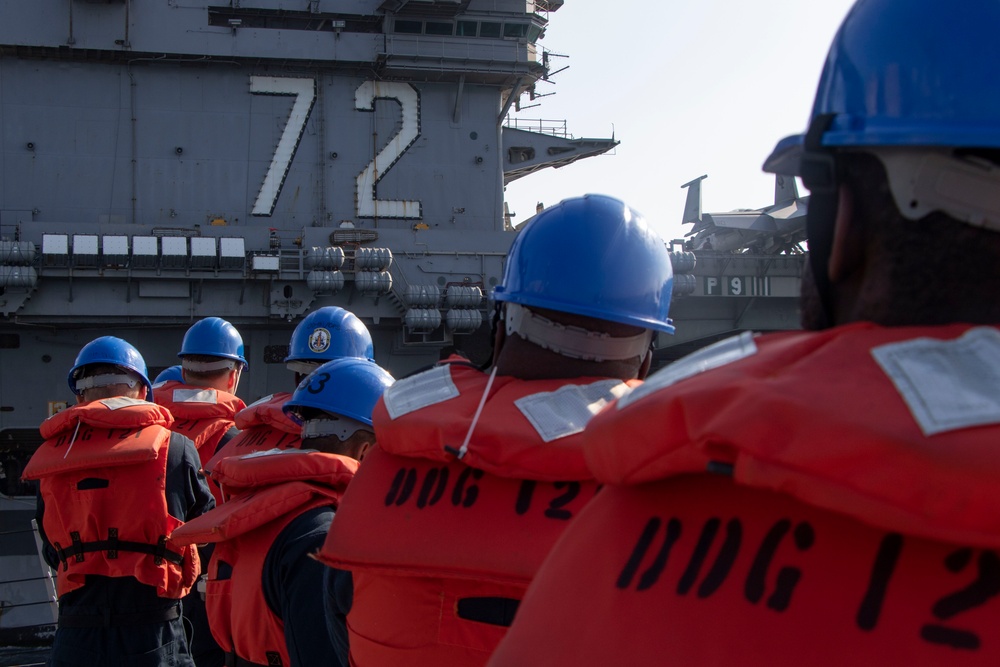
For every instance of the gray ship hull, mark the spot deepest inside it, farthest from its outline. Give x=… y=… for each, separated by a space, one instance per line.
x=252 y=160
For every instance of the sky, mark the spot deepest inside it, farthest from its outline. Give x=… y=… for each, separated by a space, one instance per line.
x=689 y=88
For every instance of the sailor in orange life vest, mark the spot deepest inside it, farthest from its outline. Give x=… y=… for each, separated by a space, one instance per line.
x=329 y=333
x=476 y=474
x=113 y=484
x=204 y=404
x=826 y=497
x=265 y=595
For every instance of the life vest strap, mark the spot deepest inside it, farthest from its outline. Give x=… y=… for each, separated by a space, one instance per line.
x=113 y=545
x=273 y=660
x=109 y=620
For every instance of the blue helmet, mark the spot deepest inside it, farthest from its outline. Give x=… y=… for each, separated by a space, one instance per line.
x=592 y=256
x=906 y=73
x=330 y=333
x=214 y=337
x=109 y=350
x=168 y=374
x=348 y=387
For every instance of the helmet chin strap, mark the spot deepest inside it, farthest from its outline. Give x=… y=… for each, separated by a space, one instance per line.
x=819 y=174
x=495 y=323
x=573 y=342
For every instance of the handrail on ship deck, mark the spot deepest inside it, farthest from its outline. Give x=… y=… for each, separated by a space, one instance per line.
x=555 y=128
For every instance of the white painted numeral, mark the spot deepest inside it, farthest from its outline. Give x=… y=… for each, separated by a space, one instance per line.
x=409 y=103
x=305 y=96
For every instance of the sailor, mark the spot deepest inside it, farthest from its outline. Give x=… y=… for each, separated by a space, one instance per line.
x=114 y=483
x=204 y=405
x=326 y=334
x=204 y=402
x=167 y=374
x=826 y=497
x=476 y=474
x=264 y=592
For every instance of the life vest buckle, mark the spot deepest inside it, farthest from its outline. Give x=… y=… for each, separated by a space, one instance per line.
x=160 y=551
x=77 y=545
x=113 y=543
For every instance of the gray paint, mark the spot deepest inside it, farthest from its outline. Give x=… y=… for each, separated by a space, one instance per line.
x=154 y=123
x=136 y=119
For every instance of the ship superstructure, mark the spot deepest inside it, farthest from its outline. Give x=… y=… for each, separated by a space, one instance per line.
x=254 y=160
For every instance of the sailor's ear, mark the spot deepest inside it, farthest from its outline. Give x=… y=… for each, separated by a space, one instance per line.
x=846 y=253
x=364 y=448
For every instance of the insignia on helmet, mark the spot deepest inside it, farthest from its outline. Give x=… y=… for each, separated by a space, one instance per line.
x=319 y=340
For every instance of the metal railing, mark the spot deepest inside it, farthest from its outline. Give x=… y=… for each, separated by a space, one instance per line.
x=555 y=128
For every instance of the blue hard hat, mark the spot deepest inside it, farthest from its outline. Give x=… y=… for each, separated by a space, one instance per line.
x=330 y=333
x=109 y=350
x=168 y=374
x=213 y=337
x=592 y=256
x=907 y=73
x=349 y=387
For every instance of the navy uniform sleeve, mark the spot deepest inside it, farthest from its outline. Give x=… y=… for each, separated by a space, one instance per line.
x=187 y=491
x=48 y=551
x=226 y=437
x=338 y=587
x=293 y=587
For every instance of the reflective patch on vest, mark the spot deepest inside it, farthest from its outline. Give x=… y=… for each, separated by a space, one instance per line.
x=119 y=402
x=718 y=354
x=275 y=452
x=947 y=384
x=260 y=401
x=565 y=411
x=420 y=391
x=196 y=396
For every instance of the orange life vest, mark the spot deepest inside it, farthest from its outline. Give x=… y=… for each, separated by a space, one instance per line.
x=200 y=413
x=263 y=426
x=267 y=491
x=102 y=473
x=458 y=540
x=856 y=522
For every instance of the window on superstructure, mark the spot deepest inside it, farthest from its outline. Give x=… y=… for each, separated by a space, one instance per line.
x=408 y=27
x=466 y=28
x=438 y=28
x=515 y=29
x=275 y=354
x=489 y=29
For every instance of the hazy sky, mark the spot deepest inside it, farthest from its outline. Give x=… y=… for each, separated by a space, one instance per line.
x=689 y=88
